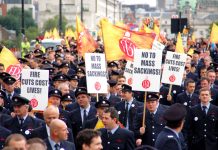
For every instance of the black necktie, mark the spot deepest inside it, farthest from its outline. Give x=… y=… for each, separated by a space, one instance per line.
x=9 y=97
x=204 y=109
x=84 y=118
x=57 y=147
x=109 y=134
x=126 y=114
x=21 y=122
x=152 y=116
x=189 y=96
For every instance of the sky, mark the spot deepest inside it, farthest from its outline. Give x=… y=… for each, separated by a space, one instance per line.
x=152 y=3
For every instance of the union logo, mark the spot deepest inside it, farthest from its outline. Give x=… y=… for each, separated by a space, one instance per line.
x=127 y=46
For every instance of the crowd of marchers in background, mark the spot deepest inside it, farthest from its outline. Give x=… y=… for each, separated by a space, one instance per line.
x=184 y=119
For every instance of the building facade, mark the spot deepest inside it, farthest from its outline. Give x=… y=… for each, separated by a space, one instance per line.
x=93 y=11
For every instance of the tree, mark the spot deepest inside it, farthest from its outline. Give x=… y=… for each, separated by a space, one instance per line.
x=191 y=2
x=13 y=20
x=52 y=23
x=31 y=33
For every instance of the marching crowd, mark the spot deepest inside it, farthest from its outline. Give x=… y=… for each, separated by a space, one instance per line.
x=184 y=118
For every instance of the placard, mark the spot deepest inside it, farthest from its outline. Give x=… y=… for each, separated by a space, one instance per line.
x=147 y=70
x=34 y=86
x=128 y=72
x=174 y=68
x=96 y=74
x=157 y=46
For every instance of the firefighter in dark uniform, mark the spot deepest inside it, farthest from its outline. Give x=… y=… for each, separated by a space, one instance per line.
x=4 y=134
x=79 y=116
x=154 y=121
x=3 y=110
x=188 y=98
x=113 y=137
x=171 y=138
x=96 y=123
x=203 y=124
x=127 y=109
x=22 y=123
x=10 y=91
x=55 y=99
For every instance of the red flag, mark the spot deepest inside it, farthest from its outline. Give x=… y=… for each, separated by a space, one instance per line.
x=85 y=42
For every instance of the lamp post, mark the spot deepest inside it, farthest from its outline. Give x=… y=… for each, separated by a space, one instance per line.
x=82 y=10
x=106 y=7
x=114 y=11
x=22 y=18
x=60 y=17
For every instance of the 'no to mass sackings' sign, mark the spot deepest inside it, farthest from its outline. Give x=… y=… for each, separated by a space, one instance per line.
x=147 y=70
x=96 y=74
x=128 y=72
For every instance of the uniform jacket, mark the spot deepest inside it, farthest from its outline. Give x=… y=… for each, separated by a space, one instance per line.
x=203 y=130
x=183 y=98
x=114 y=100
x=63 y=145
x=4 y=134
x=120 y=107
x=122 y=139
x=90 y=124
x=153 y=127
x=41 y=133
x=29 y=124
x=76 y=119
x=168 y=140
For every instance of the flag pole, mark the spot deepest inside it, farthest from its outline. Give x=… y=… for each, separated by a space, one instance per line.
x=97 y=98
x=144 y=111
x=170 y=89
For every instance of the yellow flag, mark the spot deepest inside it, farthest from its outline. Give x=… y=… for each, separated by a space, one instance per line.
x=193 y=37
x=85 y=42
x=47 y=35
x=99 y=124
x=156 y=30
x=147 y=29
x=11 y=64
x=120 y=43
x=121 y=24
x=191 y=51
x=55 y=34
x=69 y=33
x=179 y=46
x=214 y=34
x=51 y=33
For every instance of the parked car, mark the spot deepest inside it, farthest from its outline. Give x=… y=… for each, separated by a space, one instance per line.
x=46 y=43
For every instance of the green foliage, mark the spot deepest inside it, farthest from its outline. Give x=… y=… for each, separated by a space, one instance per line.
x=191 y=2
x=31 y=33
x=12 y=43
x=13 y=20
x=71 y=26
x=52 y=23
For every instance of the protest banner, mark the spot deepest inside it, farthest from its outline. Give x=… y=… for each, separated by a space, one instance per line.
x=147 y=70
x=146 y=73
x=128 y=72
x=157 y=46
x=96 y=74
x=174 y=68
x=184 y=40
x=34 y=86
